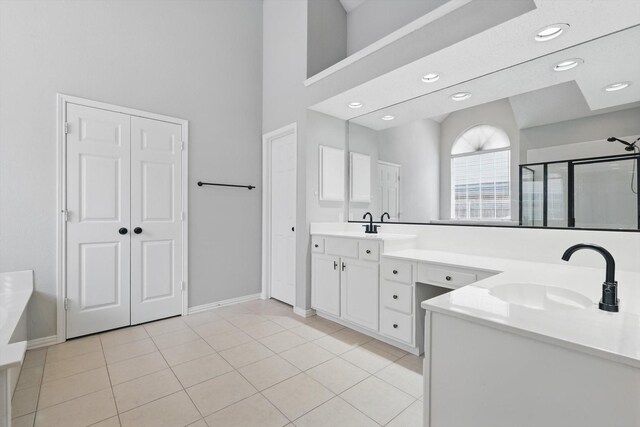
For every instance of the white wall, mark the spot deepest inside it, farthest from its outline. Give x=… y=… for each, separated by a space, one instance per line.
x=497 y=113
x=622 y=124
x=328 y=131
x=416 y=147
x=326 y=34
x=365 y=141
x=284 y=101
x=375 y=19
x=197 y=60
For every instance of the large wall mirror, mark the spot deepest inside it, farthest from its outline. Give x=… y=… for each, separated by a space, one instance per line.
x=552 y=142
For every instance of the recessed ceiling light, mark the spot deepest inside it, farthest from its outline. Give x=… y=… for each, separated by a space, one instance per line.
x=388 y=117
x=617 y=86
x=550 y=32
x=460 y=96
x=355 y=104
x=568 y=64
x=430 y=77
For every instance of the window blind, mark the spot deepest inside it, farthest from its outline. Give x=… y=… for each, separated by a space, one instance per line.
x=480 y=186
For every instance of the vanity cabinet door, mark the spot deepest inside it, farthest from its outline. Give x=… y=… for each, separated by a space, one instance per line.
x=360 y=293
x=325 y=284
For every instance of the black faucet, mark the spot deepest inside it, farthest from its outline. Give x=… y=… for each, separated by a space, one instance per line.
x=383 y=215
x=609 y=301
x=370 y=228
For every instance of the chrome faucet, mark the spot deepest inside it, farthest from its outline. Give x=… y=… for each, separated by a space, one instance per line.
x=609 y=301
x=370 y=228
x=383 y=215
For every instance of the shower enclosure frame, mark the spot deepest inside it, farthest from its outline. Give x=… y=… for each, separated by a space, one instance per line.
x=571 y=163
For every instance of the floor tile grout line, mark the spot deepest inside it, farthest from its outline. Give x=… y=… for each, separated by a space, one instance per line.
x=373 y=375
x=46 y=356
x=35 y=412
x=111 y=388
x=315 y=407
x=402 y=412
x=180 y=382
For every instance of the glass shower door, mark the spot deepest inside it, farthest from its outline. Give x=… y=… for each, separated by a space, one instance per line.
x=605 y=194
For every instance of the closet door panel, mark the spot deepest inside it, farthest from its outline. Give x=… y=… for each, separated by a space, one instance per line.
x=156 y=219
x=98 y=195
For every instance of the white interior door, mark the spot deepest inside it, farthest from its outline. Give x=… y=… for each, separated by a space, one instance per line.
x=283 y=217
x=389 y=182
x=98 y=227
x=156 y=219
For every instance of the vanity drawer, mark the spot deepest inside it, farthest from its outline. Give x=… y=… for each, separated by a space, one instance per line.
x=397 y=271
x=397 y=326
x=341 y=247
x=445 y=276
x=369 y=250
x=317 y=244
x=397 y=296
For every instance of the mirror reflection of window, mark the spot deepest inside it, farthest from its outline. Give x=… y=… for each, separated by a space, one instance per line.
x=480 y=175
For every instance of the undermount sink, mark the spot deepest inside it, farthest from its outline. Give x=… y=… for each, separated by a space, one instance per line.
x=540 y=297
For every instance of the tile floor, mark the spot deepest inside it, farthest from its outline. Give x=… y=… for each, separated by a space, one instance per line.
x=251 y=364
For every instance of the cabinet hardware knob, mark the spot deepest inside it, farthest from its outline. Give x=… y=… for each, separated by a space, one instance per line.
x=316 y=245
x=395 y=297
x=448 y=278
x=293 y=229
x=335 y=265
x=123 y=231
x=368 y=251
x=343 y=266
x=395 y=326
x=395 y=271
x=137 y=230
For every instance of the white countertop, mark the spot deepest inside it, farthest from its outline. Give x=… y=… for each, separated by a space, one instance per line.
x=15 y=290
x=615 y=336
x=382 y=236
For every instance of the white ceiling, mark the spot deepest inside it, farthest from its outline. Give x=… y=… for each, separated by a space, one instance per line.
x=538 y=94
x=349 y=5
x=498 y=49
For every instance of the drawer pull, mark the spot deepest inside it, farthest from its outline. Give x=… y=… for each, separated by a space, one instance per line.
x=315 y=246
x=368 y=251
x=395 y=297
x=448 y=278
x=395 y=326
x=395 y=271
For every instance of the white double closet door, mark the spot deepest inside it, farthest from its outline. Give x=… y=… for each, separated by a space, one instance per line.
x=124 y=225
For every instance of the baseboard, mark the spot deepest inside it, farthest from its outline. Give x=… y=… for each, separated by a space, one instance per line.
x=231 y=301
x=304 y=313
x=42 y=342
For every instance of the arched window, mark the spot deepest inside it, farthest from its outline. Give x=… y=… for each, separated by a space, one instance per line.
x=480 y=175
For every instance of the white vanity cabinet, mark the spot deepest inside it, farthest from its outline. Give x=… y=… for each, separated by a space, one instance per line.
x=359 y=285
x=345 y=279
x=375 y=286
x=326 y=284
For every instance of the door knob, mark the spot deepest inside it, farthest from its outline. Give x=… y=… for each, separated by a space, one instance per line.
x=123 y=231
x=137 y=230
